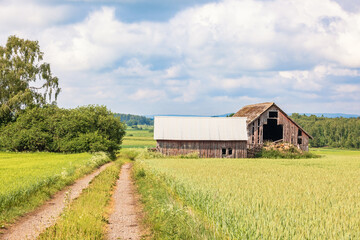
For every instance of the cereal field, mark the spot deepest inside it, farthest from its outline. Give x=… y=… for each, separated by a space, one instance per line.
x=253 y=198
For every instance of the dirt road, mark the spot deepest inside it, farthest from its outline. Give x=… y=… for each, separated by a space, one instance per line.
x=31 y=225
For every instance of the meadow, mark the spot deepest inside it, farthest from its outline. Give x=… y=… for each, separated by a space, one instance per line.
x=252 y=198
x=28 y=179
x=141 y=137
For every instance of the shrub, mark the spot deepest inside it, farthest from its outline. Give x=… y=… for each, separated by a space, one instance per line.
x=272 y=153
x=84 y=129
x=190 y=155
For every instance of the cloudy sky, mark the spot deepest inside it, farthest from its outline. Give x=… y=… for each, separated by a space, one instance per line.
x=196 y=56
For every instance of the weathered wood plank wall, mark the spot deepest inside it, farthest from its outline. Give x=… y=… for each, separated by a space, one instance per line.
x=206 y=149
x=290 y=130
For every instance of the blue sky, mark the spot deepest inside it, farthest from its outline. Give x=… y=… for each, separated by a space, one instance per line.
x=196 y=57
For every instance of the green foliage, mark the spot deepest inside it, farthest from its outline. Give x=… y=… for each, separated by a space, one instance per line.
x=332 y=132
x=253 y=198
x=84 y=129
x=283 y=150
x=86 y=218
x=192 y=155
x=29 y=179
x=133 y=120
x=272 y=153
x=25 y=81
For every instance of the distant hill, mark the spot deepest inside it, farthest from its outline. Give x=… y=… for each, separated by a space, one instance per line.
x=332 y=115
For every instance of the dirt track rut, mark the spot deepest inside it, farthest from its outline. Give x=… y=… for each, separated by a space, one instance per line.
x=124 y=221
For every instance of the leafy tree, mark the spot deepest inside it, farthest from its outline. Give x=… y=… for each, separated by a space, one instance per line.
x=25 y=81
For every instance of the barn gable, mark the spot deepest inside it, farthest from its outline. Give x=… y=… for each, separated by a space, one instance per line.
x=267 y=122
x=254 y=111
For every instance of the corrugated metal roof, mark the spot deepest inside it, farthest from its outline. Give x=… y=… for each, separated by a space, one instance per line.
x=200 y=128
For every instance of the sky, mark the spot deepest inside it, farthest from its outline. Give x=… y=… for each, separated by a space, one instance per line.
x=196 y=57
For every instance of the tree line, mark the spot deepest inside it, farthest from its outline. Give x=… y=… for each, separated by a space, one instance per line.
x=331 y=132
x=132 y=120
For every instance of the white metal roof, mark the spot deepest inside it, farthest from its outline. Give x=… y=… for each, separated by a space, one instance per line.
x=200 y=128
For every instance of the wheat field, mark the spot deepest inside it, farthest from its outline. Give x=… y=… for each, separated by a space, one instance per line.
x=265 y=198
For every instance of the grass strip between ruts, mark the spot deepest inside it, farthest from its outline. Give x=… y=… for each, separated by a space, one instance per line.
x=86 y=217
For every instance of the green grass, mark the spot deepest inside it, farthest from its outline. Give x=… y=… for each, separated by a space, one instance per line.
x=139 y=138
x=253 y=198
x=86 y=217
x=28 y=179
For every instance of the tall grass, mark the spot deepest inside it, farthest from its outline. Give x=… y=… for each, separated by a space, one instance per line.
x=258 y=198
x=28 y=179
x=86 y=217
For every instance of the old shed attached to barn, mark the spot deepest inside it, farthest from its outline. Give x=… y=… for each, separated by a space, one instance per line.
x=211 y=137
x=267 y=122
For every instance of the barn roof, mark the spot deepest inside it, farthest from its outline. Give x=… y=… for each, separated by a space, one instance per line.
x=200 y=128
x=252 y=112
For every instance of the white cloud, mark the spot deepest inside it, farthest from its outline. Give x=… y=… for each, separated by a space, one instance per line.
x=228 y=51
x=16 y=17
x=148 y=94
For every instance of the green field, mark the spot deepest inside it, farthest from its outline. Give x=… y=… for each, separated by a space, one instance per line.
x=139 y=138
x=28 y=179
x=253 y=198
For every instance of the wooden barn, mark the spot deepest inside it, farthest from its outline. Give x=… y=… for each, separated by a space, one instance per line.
x=267 y=122
x=209 y=136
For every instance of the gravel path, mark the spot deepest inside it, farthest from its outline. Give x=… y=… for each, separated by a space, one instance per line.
x=124 y=221
x=31 y=225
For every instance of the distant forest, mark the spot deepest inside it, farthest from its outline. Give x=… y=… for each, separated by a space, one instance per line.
x=332 y=132
x=132 y=120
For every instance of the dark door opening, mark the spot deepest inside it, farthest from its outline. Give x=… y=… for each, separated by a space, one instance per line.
x=272 y=131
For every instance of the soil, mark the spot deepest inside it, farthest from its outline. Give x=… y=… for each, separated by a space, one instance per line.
x=124 y=221
x=31 y=225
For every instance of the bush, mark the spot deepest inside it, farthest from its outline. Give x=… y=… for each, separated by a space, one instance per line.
x=272 y=153
x=190 y=155
x=84 y=129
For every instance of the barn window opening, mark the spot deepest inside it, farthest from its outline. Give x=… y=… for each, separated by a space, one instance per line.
x=230 y=151
x=272 y=131
x=258 y=122
x=299 y=132
x=299 y=140
x=273 y=114
x=223 y=151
